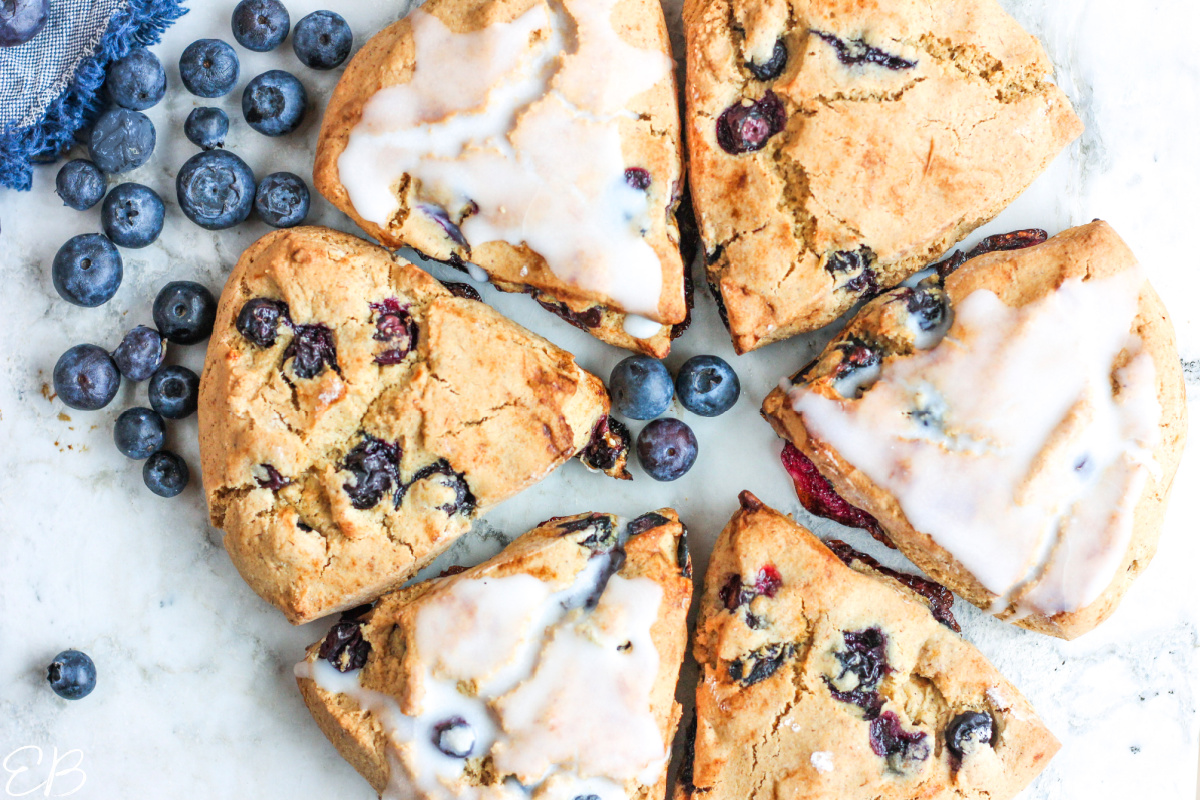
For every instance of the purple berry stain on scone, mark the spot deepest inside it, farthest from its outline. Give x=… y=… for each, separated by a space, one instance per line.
x=344 y=647
x=609 y=443
x=818 y=497
x=772 y=68
x=311 y=350
x=855 y=265
x=858 y=370
x=441 y=471
x=455 y=737
x=375 y=465
x=904 y=750
x=585 y=320
x=1013 y=240
x=274 y=480
x=856 y=52
x=259 y=320
x=760 y=664
x=646 y=522
x=463 y=290
x=969 y=731
x=637 y=178
x=746 y=128
x=863 y=662
x=439 y=215
x=735 y=593
x=395 y=326
x=941 y=599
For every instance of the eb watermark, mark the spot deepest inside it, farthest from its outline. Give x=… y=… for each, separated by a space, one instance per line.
x=32 y=771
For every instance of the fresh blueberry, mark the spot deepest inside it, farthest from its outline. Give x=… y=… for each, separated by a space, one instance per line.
x=274 y=103
x=165 y=474
x=209 y=68
x=707 y=386
x=137 y=81
x=139 y=433
x=121 y=140
x=174 y=392
x=282 y=200
x=86 y=378
x=667 y=449
x=641 y=388
x=21 y=20
x=184 y=312
x=72 y=674
x=322 y=40
x=140 y=353
x=80 y=184
x=132 y=215
x=206 y=127
x=215 y=189
x=260 y=25
x=87 y=270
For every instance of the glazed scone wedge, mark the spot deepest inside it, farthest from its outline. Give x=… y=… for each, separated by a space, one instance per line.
x=355 y=416
x=837 y=148
x=537 y=141
x=547 y=672
x=823 y=681
x=1015 y=431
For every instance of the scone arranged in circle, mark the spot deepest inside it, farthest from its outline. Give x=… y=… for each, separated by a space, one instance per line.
x=837 y=148
x=831 y=681
x=1014 y=428
x=355 y=416
x=537 y=141
x=547 y=672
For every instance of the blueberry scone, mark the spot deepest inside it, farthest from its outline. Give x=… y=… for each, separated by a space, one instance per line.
x=547 y=672
x=823 y=680
x=836 y=148
x=536 y=141
x=1014 y=425
x=356 y=415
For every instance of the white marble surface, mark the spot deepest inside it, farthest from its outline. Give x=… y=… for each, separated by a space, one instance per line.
x=195 y=693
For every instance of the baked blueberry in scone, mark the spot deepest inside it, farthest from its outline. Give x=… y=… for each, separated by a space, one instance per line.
x=823 y=680
x=838 y=147
x=1014 y=426
x=536 y=141
x=547 y=672
x=356 y=416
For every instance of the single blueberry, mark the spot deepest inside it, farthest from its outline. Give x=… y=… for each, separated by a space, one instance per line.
x=968 y=731
x=139 y=433
x=746 y=128
x=455 y=737
x=667 y=449
x=638 y=178
x=132 y=215
x=274 y=103
x=260 y=25
x=184 y=311
x=641 y=388
x=165 y=474
x=21 y=20
x=86 y=378
x=140 y=353
x=322 y=40
x=282 y=200
x=80 y=184
x=87 y=270
x=707 y=386
x=72 y=674
x=773 y=67
x=121 y=140
x=259 y=320
x=215 y=189
x=345 y=647
x=209 y=68
x=174 y=392
x=137 y=81
x=206 y=127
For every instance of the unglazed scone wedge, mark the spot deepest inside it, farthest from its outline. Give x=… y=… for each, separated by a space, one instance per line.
x=537 y=141
x=838 y=147
x=355 y=416
x=1015 y=431
x=547 y=672
x=823 y=681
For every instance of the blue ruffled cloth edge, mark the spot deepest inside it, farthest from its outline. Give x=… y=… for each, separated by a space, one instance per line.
x=139 y=24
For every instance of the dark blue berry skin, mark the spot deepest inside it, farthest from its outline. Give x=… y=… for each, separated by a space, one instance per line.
x=215 y=189
x=260 y=25
x=139 y=433
x=121 y=140
x=322 y=40
x=209 y=68
x=22 y=20
x=274 y=103
x=86 y=378
x=282 y=200
x=165 y=474
x=707 y=386
x=140 y=353
x=80 y=184
x=207 y=127
x=87 y=270
x=72 y=675
x=132 y=215
x=184 y=312
x=174 y=392
x=641 y=388
x=667 y=449
x=137 y=81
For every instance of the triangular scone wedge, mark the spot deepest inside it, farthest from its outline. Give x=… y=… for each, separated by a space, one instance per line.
x=356 y=416
x=837 y=148
x=539 y=142
x=1015 y=431
x=827 y=682
x=547 y=672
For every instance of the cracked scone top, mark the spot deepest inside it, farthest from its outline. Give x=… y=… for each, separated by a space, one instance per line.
x=539 y=141
x=547 y=672
x=838 y=147
x=1016 y=432
x=822 y=680
x=355 y=416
